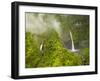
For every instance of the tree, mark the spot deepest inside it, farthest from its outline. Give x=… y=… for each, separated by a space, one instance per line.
x=55 y=54
x=32 y=52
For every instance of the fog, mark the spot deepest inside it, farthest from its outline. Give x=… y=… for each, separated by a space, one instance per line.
x=38 y=23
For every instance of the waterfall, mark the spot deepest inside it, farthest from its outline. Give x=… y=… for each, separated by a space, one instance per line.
x=73 y=47
x=41 y=47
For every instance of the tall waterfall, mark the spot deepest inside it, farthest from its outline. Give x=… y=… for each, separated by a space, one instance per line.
x=73 y=47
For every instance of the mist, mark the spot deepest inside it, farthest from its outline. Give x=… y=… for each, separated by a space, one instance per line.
x=38 y=23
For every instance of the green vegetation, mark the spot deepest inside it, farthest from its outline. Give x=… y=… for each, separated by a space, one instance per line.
x=85 y=56
x=56 y=43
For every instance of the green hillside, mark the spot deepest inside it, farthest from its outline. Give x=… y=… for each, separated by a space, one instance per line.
x=56 y=45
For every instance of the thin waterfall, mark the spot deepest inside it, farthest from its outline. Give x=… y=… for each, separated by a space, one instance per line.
x=73 y=47
x=41 y=47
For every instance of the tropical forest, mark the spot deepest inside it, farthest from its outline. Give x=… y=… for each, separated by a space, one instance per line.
x=56 y=40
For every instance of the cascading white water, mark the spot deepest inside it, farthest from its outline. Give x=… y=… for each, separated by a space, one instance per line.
x=73 y=47
x=41 y=47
